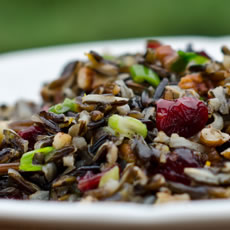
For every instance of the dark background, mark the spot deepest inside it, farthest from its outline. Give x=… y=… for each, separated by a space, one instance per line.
x=35 y=23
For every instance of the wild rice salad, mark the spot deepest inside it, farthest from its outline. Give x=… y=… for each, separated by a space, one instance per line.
x=147 y=128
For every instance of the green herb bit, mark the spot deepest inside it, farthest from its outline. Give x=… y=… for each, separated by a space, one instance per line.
x=127 y=126
x=67 y=105
x=112 y=174
x=141 y=73
x=26 y=162
x=184 y=58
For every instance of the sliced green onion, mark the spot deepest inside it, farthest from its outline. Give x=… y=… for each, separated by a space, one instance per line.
x=26 y=162
x=112 y=174
x=67 y=105
x=185 y=58
x=141 y=73
x=127 y=126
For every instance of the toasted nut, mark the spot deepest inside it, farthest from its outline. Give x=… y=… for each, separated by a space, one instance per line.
x=191 y=93
x=135 y=114
x=162 y=138
x=194 y=81
x=168 y=95
x=63 y=180
x=156 y=182
x=213 y=137
x=126 y=153
x=214 y=104
x=3 y=125
x=177 y=141
x=190 y=81
x=226 y=153
x=112 y=154
x=85 y=78
x=88 y=199
x=163 y=197
x=61 y=140
x=164 y=150
x=226 y=168
x=112 y=88
x=104 y=99
x=96 y=115
x=218 y=122
x=219 y=93
x=68 y=161
x=123 y=110
x=116 y=90
x=173 y=92
x=206 y=176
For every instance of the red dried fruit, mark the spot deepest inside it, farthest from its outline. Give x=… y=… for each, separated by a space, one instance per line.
x=177 y=160
x=185 y=116
x=30 y=134
x=153 y=44
x=89 y=181
x=203 y=53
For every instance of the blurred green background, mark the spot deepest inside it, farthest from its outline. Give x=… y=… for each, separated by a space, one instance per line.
x=26 y=23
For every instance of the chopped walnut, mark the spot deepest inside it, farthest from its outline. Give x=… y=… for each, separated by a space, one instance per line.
x=163 y=197
x=195 y=81
x=213 y=137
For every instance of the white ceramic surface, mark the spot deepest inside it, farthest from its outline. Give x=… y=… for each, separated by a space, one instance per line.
x=21 y=76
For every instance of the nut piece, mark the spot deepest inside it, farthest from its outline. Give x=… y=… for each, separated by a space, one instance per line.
x=164 y=150
x=195 y=81
x=177 y=141
x=104 y=99
x=213 y=137
x=3 y=125
x=123 y=110
x=226 y=153
x=126 y=153
x=85 y=78
x=173 y=92
x=162 y=138
x=218 y=122
x=219 y=93
x=163 y=197
x=202 y=175
x=112 y=154
x=207 y=176
x=96 y=115
x=61 y=140
x=214 y=104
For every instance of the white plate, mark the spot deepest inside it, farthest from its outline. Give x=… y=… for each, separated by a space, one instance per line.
x=21 y=76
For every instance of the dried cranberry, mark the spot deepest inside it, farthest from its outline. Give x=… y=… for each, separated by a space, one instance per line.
x=204 y=54
x=30 y=134
x=185 y=116
x=89 y=181
x=177 y=160
x=153 y=44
